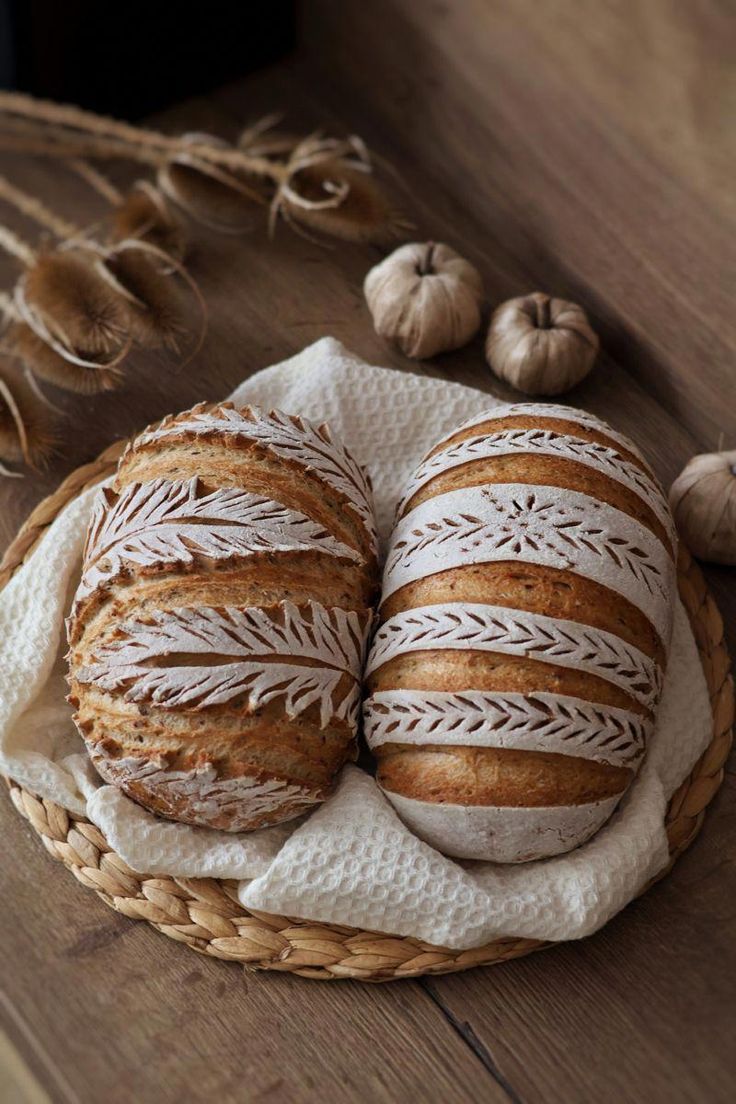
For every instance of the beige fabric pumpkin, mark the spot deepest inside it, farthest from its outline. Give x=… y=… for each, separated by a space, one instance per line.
x=425 y=298
x=541 y=345
x=703 y=500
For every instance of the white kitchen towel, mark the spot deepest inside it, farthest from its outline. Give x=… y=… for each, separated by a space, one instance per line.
x=352 y=861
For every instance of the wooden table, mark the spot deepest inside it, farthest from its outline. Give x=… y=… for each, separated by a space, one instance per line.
x=587 y=150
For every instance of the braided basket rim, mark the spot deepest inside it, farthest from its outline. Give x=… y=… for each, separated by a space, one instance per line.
x=205 y=913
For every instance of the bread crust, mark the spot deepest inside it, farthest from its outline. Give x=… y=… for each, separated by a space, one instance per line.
x=218 y=633
x=460 y=622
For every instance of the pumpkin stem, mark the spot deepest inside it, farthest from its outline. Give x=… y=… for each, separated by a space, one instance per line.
x=543 y=318
x=426 y=266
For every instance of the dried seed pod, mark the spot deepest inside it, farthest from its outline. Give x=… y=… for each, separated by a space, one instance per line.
x=66 y=322
x=222 y=199
x=157 y=314
x=153 y=287
x=703 y=501
x=541 y=345
x=69 y=304
x=216 y=199
x=145 y=214
x=426 y=298
x=46 y=363
x=343 y=200
x=26 y=425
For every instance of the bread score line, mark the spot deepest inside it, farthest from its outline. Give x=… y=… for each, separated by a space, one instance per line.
x=526 y=615
x=218 y=634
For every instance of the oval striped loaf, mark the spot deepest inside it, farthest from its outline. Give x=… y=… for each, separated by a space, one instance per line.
x=218 y=634
x=525 y=622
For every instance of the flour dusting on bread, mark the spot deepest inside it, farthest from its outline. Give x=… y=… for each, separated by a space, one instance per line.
x=526 y=612
x=219 y=630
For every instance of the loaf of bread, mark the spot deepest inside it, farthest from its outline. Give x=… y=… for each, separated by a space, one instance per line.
x=525 y=622
x=217 y=638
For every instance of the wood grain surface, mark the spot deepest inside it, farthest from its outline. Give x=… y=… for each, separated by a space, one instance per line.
x=587 y=150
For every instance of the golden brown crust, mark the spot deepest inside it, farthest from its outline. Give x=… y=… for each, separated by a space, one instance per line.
x=225 y=816
x=556 y=425
x=231 y=461
x=455 y=671
x=217 y=467
x=220 y=764
x=260 y=580
x=546 y=590
x=496 y=776
x=457 y=774
x=239 y=742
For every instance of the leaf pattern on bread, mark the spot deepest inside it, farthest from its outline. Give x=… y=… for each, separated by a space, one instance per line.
x=287 y=436
x=253 y=652
x=468 y=626
x=172 y=523
x=548 y=410
x=534 y=721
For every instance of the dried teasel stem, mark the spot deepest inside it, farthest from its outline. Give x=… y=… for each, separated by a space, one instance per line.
x=42 y=143
x=376 y=219
x=96 y=180
x=76 y=120
x=51 y=124
x=316 y=178
x=16 y=247
x=34 y=209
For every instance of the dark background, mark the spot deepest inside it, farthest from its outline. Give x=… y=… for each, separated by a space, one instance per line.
x=133 y=58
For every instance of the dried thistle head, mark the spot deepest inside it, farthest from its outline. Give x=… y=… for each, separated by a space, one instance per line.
x=339 y=196
x=46 y=363
x=145 y=214
x=158 y=311
x=222 y=199
x=26 y=425
x=66 y=300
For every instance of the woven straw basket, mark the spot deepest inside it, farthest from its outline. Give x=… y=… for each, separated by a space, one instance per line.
x=206 y=914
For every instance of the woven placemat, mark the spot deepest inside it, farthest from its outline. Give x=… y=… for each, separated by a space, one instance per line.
x=206 y=914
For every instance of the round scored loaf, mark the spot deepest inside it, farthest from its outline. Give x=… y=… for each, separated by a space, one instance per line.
x=217 y=638
x=525 y=622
